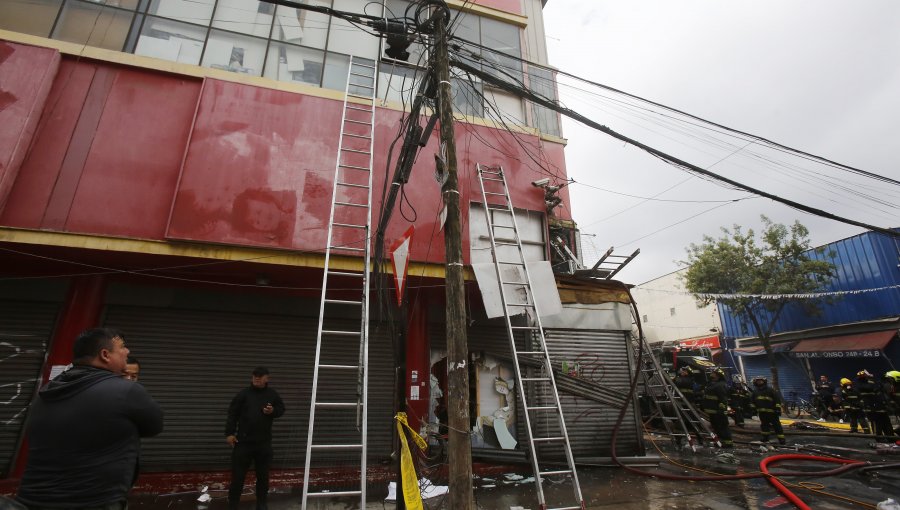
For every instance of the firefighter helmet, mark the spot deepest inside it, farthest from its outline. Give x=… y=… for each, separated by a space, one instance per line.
x=893 y=374
x=719 y=373
x=760 y=380
x=845 y=381
x=863 y=373
x=686 y=369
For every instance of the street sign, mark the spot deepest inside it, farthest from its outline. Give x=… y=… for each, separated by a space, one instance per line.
x=400 y=262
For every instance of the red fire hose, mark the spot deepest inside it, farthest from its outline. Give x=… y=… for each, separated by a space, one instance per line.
x=764 y=467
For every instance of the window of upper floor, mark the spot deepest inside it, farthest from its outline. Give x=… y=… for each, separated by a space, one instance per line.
x=286 y=44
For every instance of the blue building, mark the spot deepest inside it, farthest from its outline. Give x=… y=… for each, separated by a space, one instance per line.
x=857 y=328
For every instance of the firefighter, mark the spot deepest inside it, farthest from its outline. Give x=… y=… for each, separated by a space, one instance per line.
x=739 y=400
x=686 y=384
x=891 y=388
x=715 y=405
x=871 y=402
x=768 y=405
x=852 y=410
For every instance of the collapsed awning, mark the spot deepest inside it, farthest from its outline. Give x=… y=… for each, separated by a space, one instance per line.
x=862 y=345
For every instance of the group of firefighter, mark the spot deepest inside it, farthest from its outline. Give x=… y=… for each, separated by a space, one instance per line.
x=859 y=403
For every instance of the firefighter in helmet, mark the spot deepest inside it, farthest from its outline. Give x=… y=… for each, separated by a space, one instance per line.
x=873 y=404
x=852 y=407
x=715 y=405
x=767 y=404
x=891 y=387
x=686 y=384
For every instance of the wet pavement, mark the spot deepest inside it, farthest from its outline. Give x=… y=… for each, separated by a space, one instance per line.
x=615 y=487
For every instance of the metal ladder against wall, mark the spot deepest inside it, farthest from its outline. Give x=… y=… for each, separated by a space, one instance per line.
x=680 y=419
x=345 y=295
x=494 y=189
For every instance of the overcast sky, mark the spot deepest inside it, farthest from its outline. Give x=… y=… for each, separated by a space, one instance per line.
x=822 y=76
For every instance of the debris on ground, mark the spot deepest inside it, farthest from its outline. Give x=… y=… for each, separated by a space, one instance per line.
x=805 y=425
x=727 y=458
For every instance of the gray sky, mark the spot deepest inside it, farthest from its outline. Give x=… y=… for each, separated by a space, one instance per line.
x=822 y=76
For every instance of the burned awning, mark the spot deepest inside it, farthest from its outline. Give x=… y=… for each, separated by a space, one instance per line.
x=862 y=345
x=759 y=350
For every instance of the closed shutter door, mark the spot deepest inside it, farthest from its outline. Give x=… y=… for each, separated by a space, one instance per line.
x=25 y=329
x=601 y=357
x=193 y=362
x=792 y=377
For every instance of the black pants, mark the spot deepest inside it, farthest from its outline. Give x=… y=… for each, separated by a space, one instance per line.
x=770 y=422
x=260 y=454
x=719 y=424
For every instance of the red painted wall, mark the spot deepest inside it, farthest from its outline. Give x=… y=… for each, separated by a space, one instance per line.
x=135 y=153
x=26 y=74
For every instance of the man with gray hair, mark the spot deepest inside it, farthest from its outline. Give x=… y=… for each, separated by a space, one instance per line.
x=84 y=430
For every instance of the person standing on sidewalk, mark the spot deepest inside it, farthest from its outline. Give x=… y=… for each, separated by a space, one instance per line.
x=768 y=405
x=249 y=432
x=825 y=393
x=85 y=430
x=715 y=405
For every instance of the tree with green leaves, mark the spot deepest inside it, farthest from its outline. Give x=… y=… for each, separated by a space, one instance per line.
x=757 y=276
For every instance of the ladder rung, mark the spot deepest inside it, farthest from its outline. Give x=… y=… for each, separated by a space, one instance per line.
x=336 y=447
x=352 y=185
x=351 y=107
x=493 y=207
x=515 y=283
x=348 y=225
x=362 y=86
x=357 y=121
x=354 y=167
x=343 y=302
x=567 y=508
x=512 y=263
x=340 y=367
x=491 y=179
x=532 y=353
x=503 y=243
x=527 y=379
x=333 y=494
x=525 y=327
x=541 y=408
x=362 y=65
x=344 y=273
x=355 y=151
x=548 y=439
x=361 y=75
x=350 y=204
x=490 y=172
x=521 y=305
x=495 y=194
x=346 y=248
x=338 y=404
x=357 y=136
x=340 y=333
x=558 y=472
x=358 y=96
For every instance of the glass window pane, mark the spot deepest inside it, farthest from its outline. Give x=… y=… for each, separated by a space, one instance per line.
x=546 y=120
x=93 y=25
x=171 y=40
x=346 y=38
x=397 y=83
x=336 y=68
x=294 y=63
x=236 y=53
x=467 y=97
x=33 y=17
x=197 y=12
x=301 y=26
x=505 y=38
x=244 y=16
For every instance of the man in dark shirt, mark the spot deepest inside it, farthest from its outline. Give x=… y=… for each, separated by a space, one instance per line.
x=249 y=432
x=824 y=392
x=85 y=427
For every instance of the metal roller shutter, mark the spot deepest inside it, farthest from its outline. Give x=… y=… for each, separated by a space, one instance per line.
x=791 y=374
x=194 y=361
x=602 y=357
x=25 y=329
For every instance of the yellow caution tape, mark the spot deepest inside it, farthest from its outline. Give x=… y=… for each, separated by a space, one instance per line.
x=411 y=494
x=401 y=417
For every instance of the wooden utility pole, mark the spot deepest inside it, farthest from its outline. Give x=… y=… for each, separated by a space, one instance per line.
x=460 y=445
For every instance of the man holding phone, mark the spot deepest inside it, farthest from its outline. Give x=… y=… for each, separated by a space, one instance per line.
x=249 y=432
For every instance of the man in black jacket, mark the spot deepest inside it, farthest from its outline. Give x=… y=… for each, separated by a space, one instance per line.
x=715 y=405
x=85 y=427
x=249 y=432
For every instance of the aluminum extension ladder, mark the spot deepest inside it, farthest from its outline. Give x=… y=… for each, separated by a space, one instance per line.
x=543 y=383
x=680 y=419
x=334 y=405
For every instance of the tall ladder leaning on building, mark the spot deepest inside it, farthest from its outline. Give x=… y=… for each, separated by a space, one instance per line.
x=680 y=419
x=349 y=227
x=543 y=383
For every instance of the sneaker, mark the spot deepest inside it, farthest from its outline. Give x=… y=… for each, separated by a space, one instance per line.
x=821 y=419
